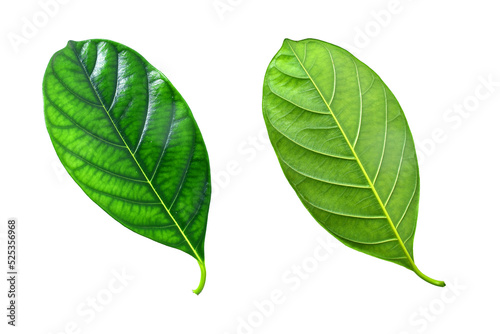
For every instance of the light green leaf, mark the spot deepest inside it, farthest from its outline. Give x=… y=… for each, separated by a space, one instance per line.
x=344 y=145
x=129 y=140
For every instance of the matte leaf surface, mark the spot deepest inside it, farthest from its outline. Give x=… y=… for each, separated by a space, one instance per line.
x=344 y=145
x=129 y=140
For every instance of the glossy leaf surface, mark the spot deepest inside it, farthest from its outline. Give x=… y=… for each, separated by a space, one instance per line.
x=129 y=140
x=345 y=147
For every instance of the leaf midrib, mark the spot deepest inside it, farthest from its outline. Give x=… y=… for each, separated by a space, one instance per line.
x=132 y=154
x=388 y=217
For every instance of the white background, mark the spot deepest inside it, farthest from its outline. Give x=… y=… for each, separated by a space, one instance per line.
x=434 y=56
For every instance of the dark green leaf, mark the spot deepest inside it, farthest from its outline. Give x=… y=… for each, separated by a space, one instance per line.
x=129 y=140
x=344 y=145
